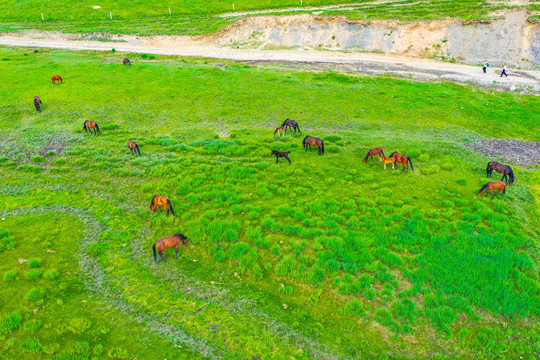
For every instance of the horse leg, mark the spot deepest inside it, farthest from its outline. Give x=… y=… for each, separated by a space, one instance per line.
x=176 y=254
x=162 y=257
x=403 y=167
x=384 y=166
x=504 y=176
x=277 y=158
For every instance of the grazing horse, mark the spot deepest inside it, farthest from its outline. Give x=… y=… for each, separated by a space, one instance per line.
x=313 y=141
x=289 y=123
x=56 y=78
x=167 y=243
x=403 y=160
x=280 y=130
x=126 y=61
x=91 y=125
x=134 y=147
x=386 y=160
x=373 y=152
x=283 y=154
x=493 y=185
x=164 y=201
x=37 y=102
x=500 y=168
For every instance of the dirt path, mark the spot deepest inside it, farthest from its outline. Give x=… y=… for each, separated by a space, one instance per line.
x=365 y=63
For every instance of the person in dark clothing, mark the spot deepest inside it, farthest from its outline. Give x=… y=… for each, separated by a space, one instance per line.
x=485 y=66
x=504 y=71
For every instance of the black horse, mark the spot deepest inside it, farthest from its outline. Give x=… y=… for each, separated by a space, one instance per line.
x=508 y=173
x=289 y=123
x=37 y=102
x=283 y=154
x=126 y=61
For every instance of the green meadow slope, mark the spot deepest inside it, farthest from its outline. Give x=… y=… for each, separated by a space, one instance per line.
x=195 y=17
x=325 y=258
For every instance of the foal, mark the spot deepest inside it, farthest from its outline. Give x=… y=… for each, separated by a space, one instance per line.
x=283 y=154
x=134 y=147
x=493 y=185
x=37 y=103
x=389 y=160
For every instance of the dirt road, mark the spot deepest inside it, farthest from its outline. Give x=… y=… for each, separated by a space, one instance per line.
x=365 y=63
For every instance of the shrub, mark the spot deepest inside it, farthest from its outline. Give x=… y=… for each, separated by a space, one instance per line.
x=39 y=159
x=51 y=274
x=79 y=326
x=34 y=274
x=385 y=192
x=430 y=170
x=118 y=353
x=109 y=127
x=414 y=153
x=35 y=263
x=333 y=149
x=35 y=293
x=98 y=349
x=51 y=153
x=369 y=293
x=60 y=161
x=447 y=166
x=462 y=181
x=10 y=275
x=333 y=138
x=355 y=308
x=238 y=249
x=423 y=158
x=32 y=345
x=32 y=325
x=10 y=322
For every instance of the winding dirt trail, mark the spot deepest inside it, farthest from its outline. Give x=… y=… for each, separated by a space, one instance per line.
x=365 y=63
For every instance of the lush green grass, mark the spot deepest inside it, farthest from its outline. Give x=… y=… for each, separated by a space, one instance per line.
x=328 y=256
x=195 y=17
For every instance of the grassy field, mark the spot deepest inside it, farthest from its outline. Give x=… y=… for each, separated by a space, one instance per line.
x=195 y=17
x=325 y=258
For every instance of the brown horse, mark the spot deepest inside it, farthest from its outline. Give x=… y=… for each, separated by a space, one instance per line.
x=56 y=78
x=164 y=201
x=126 y=61
x=374 y=152
x=493 y=185
x=37 y=102
x=280 y=130
x=167 y=243
x=313 y=141
x=283 y=154
x=403 y=160
x=389 y=160
x=500 y=168
x=289 y=123
x=134 y=147
x=91 y=125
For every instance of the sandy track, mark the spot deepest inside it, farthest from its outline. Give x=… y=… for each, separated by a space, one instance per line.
x=366 y=63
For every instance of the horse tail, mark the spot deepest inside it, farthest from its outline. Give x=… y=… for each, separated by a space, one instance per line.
x=97 y=128
x=152 y=202
x=482 y=189
x=298 y=127
x=139 y=151
x=154 y=251
x=383 y=153
x=367 y=156
x=170 y=206
x=322 y=145
x=410 y=162
x=487 y=169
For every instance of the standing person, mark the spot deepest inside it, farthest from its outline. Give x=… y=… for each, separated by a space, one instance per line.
x=485 y=66
x=504 y=71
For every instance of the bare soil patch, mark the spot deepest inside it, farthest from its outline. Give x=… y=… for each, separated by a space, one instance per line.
x=522 y=153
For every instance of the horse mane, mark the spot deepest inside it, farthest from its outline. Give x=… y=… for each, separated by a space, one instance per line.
x=483 y=188
x=394 y=153
x=84 y=124
x=180 y=236
x=152 y=202
x=287 y=119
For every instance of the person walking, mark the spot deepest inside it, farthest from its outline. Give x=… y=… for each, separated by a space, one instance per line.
x=485 y=66
x=504 y=71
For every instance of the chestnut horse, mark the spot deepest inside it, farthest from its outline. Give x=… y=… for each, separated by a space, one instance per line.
x=167 y=243
x=56 y=78
x=37 y=102
x=374 y=152
x=283 y=154
x=493 y=185
x=91 y=125
x=500 y=168
x=126 y=61
x=289 y=123
x=403 y=160
x=164 y=201
x=313 y=141
x=134 y=147
x=280 y=130
x=386 y=160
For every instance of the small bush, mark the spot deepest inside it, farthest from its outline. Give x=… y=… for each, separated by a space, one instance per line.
x=35 y=263
x=414 y=153
x=430 y=170
x=447 y=166
x=369 y=293
x=51 y=153
x=333 y=138
x=424 y=158
x=60 y=161
x=462 y=181
x=34 y=274
x=51 y=274
x=355 y=308
x=333 y=149
x=98 y=349
x=32 y=325
x=79 y=326
x=112 y=126
x=10 y=322
x=39 y=159
x=32 y=345
x=10 y=275
x=35 y=293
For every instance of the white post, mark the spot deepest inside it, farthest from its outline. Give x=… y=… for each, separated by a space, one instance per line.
x=232 y=6
x=42 y=18
x=301 y=2
x=169 y=11
x=110 y=13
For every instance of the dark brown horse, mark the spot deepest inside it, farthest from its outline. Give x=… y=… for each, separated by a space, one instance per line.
x=313 y=141
x=289 y=123
x=91 y=125
x=164 y=201
x=508 y=173
x=167 y=243
x=134 y=147
x=37 y=103
x=493 y=185
x=126 y=61
x=374 y=152
x=403 y=160
x=283 y=154
x=56 y=78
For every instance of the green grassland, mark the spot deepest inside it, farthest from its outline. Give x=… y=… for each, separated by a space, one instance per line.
x=196 y=17
x=325 y=258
